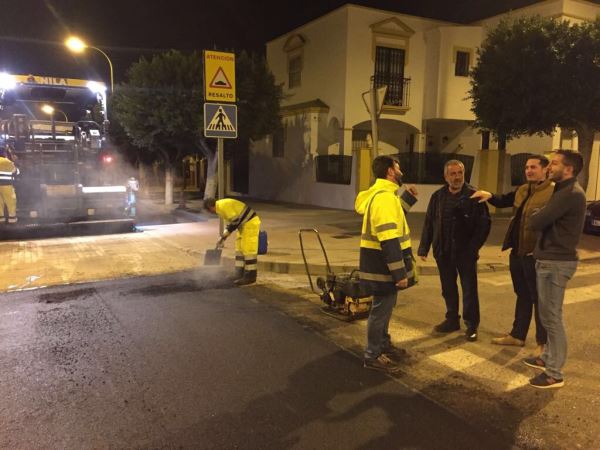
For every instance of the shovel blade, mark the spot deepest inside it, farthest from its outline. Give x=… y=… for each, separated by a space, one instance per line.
x=212 y=257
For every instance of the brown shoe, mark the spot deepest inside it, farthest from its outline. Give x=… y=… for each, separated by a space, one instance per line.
x=381 y=363
x=507 y=339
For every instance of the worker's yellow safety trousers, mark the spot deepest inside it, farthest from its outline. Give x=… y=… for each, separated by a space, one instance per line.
x=246 y=248
x=8 y=198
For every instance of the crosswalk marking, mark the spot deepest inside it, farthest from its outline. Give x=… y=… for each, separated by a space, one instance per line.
x=573 y=294
x=496 y=280
x=582 y=294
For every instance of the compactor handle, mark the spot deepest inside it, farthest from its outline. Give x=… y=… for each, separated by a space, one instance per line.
x=313 y=230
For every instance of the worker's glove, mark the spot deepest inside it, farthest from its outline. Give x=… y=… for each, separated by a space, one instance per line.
x=221 y=241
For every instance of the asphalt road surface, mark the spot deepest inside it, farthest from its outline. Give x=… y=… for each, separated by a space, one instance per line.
x=185 y=361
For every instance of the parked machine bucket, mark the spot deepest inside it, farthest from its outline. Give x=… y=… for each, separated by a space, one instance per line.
x=341 y=292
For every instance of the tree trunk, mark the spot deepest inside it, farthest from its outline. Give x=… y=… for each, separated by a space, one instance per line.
x=143 y=179
x=585 y=139
x=169 y=184
x=210 y=189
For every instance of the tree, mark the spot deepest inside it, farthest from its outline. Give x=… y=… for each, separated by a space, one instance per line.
x=161 y=107
x=535 y=74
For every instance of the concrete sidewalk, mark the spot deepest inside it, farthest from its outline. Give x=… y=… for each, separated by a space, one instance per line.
x=170 y=248
x=340 y=233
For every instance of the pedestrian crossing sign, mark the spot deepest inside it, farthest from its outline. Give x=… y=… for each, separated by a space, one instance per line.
x=220 y=120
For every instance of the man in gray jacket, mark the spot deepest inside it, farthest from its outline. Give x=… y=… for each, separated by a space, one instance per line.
x=560 y=224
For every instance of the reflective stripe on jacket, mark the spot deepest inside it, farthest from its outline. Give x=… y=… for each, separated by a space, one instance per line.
x=385 y=247
x=7 y=171
x=234 y=212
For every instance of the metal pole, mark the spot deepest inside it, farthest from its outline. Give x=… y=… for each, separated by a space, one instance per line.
x=374 y=131
x=110 y=66
x=221 y=178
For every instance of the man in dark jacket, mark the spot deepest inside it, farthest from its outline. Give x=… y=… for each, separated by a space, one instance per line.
x=457 y=227
x=527 y=198
x=560 y=224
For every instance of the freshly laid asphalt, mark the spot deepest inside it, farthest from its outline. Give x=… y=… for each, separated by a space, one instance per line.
x=187 y=361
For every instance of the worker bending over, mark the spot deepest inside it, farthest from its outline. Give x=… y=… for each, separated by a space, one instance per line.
x=239 y=216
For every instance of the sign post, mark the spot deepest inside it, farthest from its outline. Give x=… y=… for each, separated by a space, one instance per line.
x=220 y=120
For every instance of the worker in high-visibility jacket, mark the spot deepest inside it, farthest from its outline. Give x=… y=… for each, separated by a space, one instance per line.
x=386 y=260
x=8 y=198
x=239 y=216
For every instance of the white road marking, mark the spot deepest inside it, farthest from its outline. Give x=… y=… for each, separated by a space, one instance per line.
x=582 y=294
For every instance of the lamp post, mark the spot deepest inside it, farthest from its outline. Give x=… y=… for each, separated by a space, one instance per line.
x=48 y=109
x=76 y=45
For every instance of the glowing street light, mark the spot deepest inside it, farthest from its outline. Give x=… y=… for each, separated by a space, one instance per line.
x=76 y=45
x=48 y=109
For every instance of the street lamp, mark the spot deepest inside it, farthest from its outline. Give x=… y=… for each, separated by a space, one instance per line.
x=50 y=111
x=76 y=45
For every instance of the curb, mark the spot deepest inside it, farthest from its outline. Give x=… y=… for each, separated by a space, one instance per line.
x=188 y=215
x=295 y=268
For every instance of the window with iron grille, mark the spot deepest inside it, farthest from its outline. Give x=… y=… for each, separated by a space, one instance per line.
x=279 y=142
x=295 y=71
x=389 y=70
x=461 y=65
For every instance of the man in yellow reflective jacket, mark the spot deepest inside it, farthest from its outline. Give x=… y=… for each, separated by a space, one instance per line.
x=238 y=216
x=386 y=260
x=8 y=197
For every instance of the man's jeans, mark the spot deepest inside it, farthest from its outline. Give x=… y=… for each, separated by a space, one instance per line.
x=552 y=277
x=522 y=272
x=378 y=338
x=464 y=266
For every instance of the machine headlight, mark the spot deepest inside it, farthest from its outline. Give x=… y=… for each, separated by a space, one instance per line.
x=7 y=81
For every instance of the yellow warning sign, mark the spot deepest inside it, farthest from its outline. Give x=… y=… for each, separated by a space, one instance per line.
x=219 y=76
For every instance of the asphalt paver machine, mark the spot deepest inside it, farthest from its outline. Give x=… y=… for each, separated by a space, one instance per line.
x=340 y=292
x=69 y=176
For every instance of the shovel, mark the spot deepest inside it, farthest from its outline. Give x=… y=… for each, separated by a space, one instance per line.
x=212 y=257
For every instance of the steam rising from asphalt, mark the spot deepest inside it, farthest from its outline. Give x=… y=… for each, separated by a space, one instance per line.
x=208 y=277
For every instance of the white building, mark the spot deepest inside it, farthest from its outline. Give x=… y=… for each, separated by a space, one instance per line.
x=320 y=155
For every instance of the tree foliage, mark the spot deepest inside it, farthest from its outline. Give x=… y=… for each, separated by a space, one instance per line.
x=535 y=74
x=160 y=105
x=258 y=97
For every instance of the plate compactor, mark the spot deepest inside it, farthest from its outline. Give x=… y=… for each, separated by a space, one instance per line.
x=340 y=292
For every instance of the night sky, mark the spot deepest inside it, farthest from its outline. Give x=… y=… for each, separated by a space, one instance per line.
x=32 y=31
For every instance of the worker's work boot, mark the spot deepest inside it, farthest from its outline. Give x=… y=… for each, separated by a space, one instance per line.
x=248 y=278
x=238 y=273
x=245 y=280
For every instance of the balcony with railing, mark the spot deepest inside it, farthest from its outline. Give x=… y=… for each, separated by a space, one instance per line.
x=397 y=95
